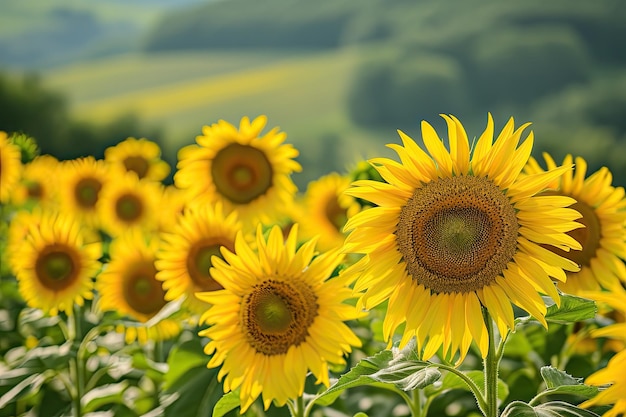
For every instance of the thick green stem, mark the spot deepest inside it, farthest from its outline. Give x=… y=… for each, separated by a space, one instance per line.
x=77 y=365
x=491 y=365
x=478 y=394
x=297 y=408
x=416 y=403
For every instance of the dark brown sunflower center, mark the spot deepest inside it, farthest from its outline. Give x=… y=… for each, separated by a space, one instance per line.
x=35 y=190
x=199 y=261
x=138 y=165
x=588 y=236
x=129 y=208
x=142 y=291
x=86 y=192
x=336 y=214
x=241 y=173
x=57 y=266
x=277 y=314
x=457 y=234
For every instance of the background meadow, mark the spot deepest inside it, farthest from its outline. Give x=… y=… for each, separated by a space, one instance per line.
x=339 y=77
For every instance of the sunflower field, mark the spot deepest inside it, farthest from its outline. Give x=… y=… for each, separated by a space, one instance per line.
x=463 y=277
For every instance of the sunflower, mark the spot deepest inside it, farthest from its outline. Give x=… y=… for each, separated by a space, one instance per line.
x=38 y=182
x=125 y=202
x=10 y=167
x=241 y=169
x=614 y=371
x=140 y=156
x=129 y=286
x=185 y=257
x=278 y=317
x=173 y=204
x=452 y=233
x=326 y=209
x=54 y=263
x=603 y=238
x=81 y=181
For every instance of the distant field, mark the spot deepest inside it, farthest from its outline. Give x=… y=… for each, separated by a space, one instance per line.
x=303 y=93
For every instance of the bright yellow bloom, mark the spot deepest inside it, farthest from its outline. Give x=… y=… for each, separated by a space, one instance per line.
x=129 y=286
x=603 y=239
x=246 y=172
x=126 y=202
x=185 y=257
x=80 y=183
x=55 y=263
x=10 y=167
x=326 y=210
x=278 y=317
x=140 y=156
x=38 y=184
x=454 y=232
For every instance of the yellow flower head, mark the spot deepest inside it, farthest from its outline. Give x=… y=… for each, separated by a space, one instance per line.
x=55 y=263
x=38 y=184
x=129 y=286
x=10 y=167
x=456 y=231
x=126 y=202
x=80 y=183
x=139 y=156
x=278 y=317
x=241 y=169
x=603 y=239
x=326 y=210
x=186 y=253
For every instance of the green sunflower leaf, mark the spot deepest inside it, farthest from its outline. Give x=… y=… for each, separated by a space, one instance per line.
x=453 y=381
x=550 y=409
x=560 y=382
x=572 y=309
x=227 y=403
x=104 y=395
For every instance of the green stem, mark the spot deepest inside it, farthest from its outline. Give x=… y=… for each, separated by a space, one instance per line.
x=478 y=394
x=491 y=365
x=77 y=365
x=416 y=403
x=296 y=408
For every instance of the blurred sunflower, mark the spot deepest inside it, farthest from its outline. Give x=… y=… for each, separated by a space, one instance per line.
x=10 y=167
x=453 y=233
x=603 y=238
x=81 y=181
x=326 y=210
x=614 y=372
x=38 y=182
x=125 y=202
x=141 y=156
x=277 y=318
x=185 y=257
x=55 y=263
x=129 y=286
x=241 y=169
x=173 y=204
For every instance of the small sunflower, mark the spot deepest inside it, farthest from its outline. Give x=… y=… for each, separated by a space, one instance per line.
x=140 y=156
x=603 y=239
x=55 y=263
x=614 y=372
x=81 y=181
x=241 y=169
x=173 y=204
x=126 y=202
x=452 y=233
x=129 y=286
x=185 y=257
x=277 y=318
x=10 y=167
x=326 y=210
x=38 y=182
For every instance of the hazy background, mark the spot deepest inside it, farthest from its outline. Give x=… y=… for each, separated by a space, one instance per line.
x=338 y=76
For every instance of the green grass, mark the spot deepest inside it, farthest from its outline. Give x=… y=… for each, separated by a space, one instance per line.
x=302 y=93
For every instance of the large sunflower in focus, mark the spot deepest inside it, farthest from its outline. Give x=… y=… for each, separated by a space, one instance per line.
x=139 y=156
x=185 y=257
x=277 y=318
x=453 y=232
x=129 y=286
x=326 y=210
x=244 y=170
x=603 y=239
x=126 y=202
x=10 y=167
x=81 y=181
x=55 y=263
